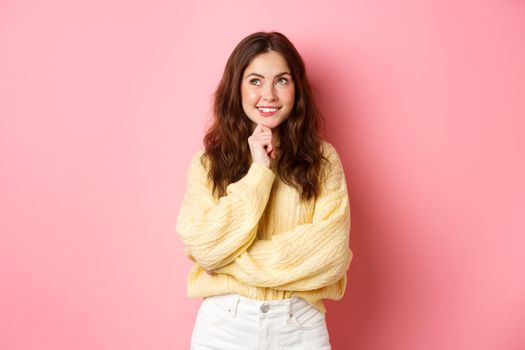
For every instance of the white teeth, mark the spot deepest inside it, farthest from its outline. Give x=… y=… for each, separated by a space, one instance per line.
x=266 y=110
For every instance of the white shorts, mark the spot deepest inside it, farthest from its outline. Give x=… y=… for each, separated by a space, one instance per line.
x=234 y=322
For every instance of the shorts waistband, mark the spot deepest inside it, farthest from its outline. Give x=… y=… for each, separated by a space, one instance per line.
x=237 y=303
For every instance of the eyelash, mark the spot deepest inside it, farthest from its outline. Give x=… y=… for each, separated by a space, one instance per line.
x=253 y=80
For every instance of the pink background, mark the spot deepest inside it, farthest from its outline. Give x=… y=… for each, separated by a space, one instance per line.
x=102 y=104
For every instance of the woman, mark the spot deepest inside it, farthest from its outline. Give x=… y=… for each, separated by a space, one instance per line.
x=265 y=216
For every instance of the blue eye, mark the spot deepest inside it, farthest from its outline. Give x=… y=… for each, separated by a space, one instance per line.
x=281 y=81
x=254 y=81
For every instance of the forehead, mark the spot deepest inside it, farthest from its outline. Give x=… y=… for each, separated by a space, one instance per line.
x=268 y=63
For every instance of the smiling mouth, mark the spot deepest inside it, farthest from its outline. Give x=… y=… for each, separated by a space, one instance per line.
x=268 y=109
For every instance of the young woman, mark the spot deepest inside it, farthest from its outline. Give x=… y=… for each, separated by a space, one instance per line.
x=266 y=215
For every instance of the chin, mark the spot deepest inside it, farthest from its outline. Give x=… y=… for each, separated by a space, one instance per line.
x=271 y=124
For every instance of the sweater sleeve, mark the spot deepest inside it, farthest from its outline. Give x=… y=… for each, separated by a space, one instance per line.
x=216 y=231
x=309 y=256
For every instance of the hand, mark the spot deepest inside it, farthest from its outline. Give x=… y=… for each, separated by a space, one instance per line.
x=262 y=145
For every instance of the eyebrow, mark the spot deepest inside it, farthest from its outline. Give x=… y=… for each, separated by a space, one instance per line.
x=262 y=76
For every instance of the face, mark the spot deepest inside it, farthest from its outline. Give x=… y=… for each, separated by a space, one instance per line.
x=267 y=90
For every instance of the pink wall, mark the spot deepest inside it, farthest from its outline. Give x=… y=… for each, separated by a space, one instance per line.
x=102 y=104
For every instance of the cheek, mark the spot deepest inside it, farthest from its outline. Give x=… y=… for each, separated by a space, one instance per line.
x=249 y=97
x=289 y=96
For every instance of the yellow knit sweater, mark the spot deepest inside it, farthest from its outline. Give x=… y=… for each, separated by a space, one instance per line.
x=261 y=241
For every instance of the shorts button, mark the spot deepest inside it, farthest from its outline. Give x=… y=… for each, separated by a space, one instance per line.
x=265 y=308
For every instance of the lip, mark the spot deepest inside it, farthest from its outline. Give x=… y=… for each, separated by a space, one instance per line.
x=267 y=114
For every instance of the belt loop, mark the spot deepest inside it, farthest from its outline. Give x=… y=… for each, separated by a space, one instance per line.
x=236 y=304
x=288 y=309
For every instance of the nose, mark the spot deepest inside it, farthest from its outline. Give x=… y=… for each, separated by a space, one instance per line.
x=268 y=93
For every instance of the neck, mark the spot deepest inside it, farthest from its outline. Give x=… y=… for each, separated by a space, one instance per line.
x=275 y=135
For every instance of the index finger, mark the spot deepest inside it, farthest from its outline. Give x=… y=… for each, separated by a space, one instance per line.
x=265 y=128
x=258 y=128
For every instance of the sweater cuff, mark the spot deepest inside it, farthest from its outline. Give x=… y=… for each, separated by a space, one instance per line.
x=260 y=175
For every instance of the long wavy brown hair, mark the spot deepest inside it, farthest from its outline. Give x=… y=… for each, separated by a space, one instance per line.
x=299 y=157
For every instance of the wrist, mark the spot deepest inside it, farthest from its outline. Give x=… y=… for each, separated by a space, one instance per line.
x=266 y=164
